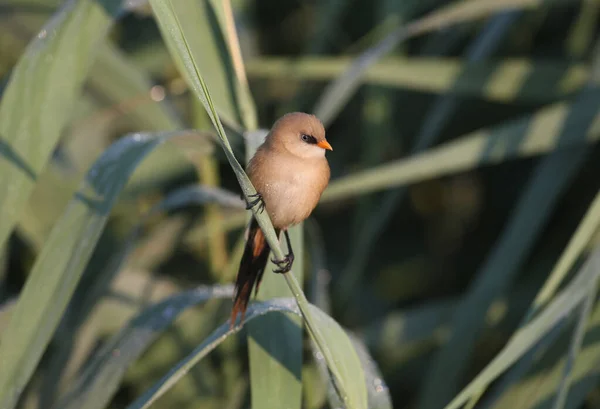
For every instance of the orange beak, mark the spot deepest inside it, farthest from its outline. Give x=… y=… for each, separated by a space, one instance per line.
x=325 y=145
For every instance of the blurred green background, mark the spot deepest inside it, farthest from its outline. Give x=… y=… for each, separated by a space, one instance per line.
x=459 y=228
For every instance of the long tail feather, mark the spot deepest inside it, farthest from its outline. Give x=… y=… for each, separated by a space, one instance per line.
x=253 y=263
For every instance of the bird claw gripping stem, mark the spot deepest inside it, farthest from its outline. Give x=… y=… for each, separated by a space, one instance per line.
x=258 y=200
x=284 y=264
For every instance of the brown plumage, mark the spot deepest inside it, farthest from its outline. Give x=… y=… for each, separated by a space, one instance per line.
x=290 y=172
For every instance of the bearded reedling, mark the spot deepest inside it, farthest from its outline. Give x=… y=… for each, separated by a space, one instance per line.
x=290 y=172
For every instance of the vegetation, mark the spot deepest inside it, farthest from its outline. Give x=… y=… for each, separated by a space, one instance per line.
x=453 y=261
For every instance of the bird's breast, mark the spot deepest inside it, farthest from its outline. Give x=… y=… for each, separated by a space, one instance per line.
x=291 y=192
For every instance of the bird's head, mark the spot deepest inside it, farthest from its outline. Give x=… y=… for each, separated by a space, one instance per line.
x=301 y=134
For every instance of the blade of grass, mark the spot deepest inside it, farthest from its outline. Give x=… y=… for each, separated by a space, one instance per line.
x=78 y=334
x=558 y=126
x=505 y=80
x=38 y=99
x=331 y=331
x=243 y=96
x=129 y=92
x=575 y=248
x=314 y=392
x=528 y=336
x=207 y=167
x=336 y=94
x=59 y=266
x=574 y=349
x=57 y=368
x=576 y=245
x=540 y=382
x=98 y=383
x=549 y=181
x=179 y=198
x=353 y=397
x=379 y=394
x=203 y=385
x=581 y=36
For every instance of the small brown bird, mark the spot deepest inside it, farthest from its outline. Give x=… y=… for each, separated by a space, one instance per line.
x=290 y=172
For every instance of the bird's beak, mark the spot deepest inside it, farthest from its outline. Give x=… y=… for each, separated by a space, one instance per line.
x=325 y=145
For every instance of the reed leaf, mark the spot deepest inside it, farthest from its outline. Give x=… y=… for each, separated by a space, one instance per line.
x=525 y=338
x=59 y=266
x=578 y=243
x=337 y=94
x=507 y=80
x=331 y=331
x=38 y=99
x=539 y=383
x=378 y=392
x=550 y=180
x=98 y=383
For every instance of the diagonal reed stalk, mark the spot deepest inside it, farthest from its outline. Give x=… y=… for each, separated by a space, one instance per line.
x=173 y=34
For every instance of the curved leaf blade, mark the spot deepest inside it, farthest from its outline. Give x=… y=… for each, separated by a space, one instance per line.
x=547 y=184
x=96 y=386
x=528 y=336
x=515 y=378
x=59 y=266
x=38 y=99
x=344 y=353
x=378 y=391
x=378 y=394
x=184 y=196
x=539 y=381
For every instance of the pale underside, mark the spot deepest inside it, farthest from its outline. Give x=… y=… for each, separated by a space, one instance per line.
x=290 y=186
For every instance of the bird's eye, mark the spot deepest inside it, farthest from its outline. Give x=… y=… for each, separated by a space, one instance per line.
x=308 y=138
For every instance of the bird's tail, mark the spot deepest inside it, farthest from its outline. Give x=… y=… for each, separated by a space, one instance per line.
x=252 y=266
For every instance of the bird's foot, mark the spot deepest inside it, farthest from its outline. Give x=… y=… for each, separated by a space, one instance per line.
x=258 y=200
x=284 y=264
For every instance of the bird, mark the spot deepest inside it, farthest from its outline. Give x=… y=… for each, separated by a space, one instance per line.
x=289 y=172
